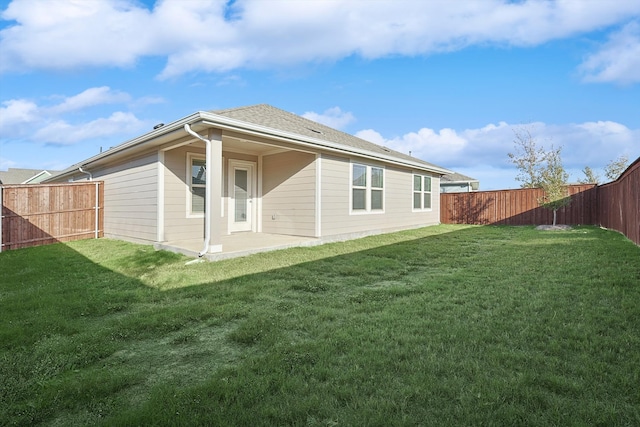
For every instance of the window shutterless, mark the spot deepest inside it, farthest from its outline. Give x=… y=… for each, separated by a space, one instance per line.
x=367 y=188
x=421 y=192
x=197 y=185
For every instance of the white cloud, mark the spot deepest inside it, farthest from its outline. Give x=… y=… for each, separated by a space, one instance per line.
x=618 y=60
x=6 y=164
x=89 y=98
x=58 y=34
x=25 y=120
x=147 y=100
x=333 y=117
x=206 y=35
x=482 y=153
x=60 y=132
x=15 y=113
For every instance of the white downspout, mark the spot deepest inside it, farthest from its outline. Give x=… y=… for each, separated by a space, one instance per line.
x=207 y=183
x=88 y=173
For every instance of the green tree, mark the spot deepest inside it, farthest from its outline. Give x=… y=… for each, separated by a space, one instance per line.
x=553 y=179
x=590 y=177
x=615 y=167
x=539 y=168
x=528 y=158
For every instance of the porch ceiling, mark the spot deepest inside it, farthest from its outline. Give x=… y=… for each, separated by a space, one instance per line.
x=230 y=143
x=245 y=146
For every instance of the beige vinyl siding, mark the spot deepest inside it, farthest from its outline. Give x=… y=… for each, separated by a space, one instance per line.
x=288 y=193
x=178 y=225
x=131 y=198
x=336 y=215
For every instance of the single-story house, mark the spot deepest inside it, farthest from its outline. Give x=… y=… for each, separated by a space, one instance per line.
x=252 y=172
x=24 y=176
x=457 y=183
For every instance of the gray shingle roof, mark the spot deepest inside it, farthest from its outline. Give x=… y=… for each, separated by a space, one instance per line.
x=268 y=118
x=456 y=177
x=275 y=118
x=18 y=175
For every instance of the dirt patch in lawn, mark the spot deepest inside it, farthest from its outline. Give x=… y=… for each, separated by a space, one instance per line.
x=561 y=227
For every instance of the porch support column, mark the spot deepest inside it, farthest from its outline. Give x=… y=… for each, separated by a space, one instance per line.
x=214 y=189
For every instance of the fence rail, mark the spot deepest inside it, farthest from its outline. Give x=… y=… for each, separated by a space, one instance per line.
x=619 y=203
x=47 y=213
x=516 y=207
x=615 y=205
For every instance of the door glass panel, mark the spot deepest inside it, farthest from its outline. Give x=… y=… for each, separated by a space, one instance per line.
x=241 y=195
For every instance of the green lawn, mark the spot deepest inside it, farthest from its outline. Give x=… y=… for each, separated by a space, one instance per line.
x=446 y=325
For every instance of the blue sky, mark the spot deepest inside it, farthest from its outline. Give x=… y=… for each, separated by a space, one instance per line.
x=449 y=81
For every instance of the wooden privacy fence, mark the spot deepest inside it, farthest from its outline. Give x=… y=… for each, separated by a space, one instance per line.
x=40 y=214
x=517 y=207
x=615 y=205
x=619 y=203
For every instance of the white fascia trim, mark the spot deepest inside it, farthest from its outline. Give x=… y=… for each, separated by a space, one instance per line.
x=221 y=122
x=147 y=137
x=257 y=130
x=36 y=176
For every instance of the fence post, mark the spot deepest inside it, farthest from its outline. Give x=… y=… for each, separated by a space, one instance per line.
x=1 y=216
x=97 y=207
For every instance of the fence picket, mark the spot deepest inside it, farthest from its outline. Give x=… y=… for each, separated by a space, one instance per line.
x=37 y=214
x=615 y=205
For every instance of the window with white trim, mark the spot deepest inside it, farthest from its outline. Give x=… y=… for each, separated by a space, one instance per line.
x=197 y=185
x=367 y=188
x=421 y=192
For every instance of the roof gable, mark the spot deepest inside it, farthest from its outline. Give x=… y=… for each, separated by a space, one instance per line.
x=23 y=176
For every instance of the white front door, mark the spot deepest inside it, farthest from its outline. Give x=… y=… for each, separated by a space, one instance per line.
x=241 y=195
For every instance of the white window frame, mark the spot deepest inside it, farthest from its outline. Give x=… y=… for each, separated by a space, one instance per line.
x=190 y=158
x=369 y=189
x=422 y=192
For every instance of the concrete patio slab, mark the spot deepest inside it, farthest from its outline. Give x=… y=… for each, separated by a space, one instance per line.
x=240 y=244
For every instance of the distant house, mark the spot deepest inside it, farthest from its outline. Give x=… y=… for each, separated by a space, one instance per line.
x=255 y=171
x=458 y=183
x=24 y=176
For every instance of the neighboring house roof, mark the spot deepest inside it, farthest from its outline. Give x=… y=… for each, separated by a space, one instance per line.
x=261 y=120
x=457 y=178
x=24 y=176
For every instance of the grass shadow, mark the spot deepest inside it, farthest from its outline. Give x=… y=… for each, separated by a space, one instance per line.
x=463 y=325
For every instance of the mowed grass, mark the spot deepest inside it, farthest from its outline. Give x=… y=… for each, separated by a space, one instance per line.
x=446 y=325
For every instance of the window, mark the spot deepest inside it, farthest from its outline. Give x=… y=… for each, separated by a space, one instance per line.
x=197 y=185
x=359 y=187
x=367 y=188
x=421 y=192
